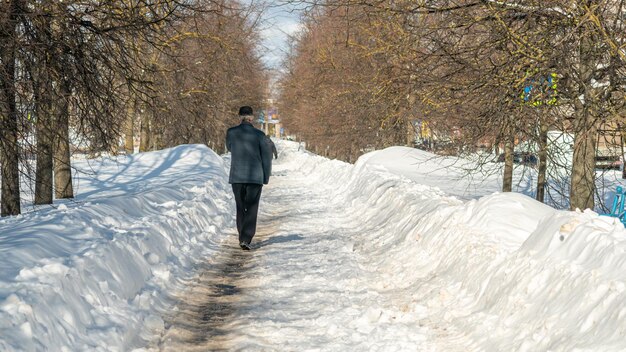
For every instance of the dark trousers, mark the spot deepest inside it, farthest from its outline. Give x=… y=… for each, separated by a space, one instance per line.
x=247 y=196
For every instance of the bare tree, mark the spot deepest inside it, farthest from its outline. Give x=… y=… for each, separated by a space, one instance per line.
x=466 y=68
x=9 y=152
x=71 y=70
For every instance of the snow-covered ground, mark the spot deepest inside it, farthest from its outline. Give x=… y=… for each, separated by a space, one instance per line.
x=472 y=179
x=384 y=255
x=92 y=274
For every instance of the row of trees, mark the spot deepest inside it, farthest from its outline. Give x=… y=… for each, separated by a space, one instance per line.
x=478 y=71
x=336 y=93
x=81 y=75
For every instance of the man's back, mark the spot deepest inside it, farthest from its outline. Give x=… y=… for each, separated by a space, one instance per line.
x=249 y=155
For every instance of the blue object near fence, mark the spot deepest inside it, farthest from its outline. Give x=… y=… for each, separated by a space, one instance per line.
x=617 y=211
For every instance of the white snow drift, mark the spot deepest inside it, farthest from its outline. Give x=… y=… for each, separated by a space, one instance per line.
x=91 y=274
x=499 y=273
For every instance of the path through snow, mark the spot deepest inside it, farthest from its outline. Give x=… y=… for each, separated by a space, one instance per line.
x=302 y=287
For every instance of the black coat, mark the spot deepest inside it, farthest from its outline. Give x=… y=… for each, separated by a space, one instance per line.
x=251 y=156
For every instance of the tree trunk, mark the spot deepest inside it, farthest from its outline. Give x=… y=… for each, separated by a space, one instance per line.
x=144 y=144
x=44 y=125
x=507 y=179
x=582 y=187
x=45 y=137
x=410 y=133
x=129 y=144
x=62 y=164
x=622 y=135
x=543 y=161
x=156 y=137
x=9 y=151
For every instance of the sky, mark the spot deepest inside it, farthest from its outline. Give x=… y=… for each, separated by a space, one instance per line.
x=278 y=22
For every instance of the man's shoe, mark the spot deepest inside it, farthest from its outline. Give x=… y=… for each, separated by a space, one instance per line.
x=245 y=246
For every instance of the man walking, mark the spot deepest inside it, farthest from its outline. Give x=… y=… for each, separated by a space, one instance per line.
x=270 y=142
x=250 y=168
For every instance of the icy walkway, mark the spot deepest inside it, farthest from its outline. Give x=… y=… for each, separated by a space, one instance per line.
x=300 y=288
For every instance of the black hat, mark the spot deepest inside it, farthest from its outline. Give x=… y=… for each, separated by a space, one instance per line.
x=245 y=111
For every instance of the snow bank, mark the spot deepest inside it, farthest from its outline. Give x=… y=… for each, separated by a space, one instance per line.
x=500 y=272
x=503 y=271
x=459 y=177
x=472 y=179
x=94 y=273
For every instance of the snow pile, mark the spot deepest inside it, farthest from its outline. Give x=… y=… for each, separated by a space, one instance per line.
x=459 y=177
x=504 y=271
x=92 y=274
x=472 y=179
x=391 y=262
